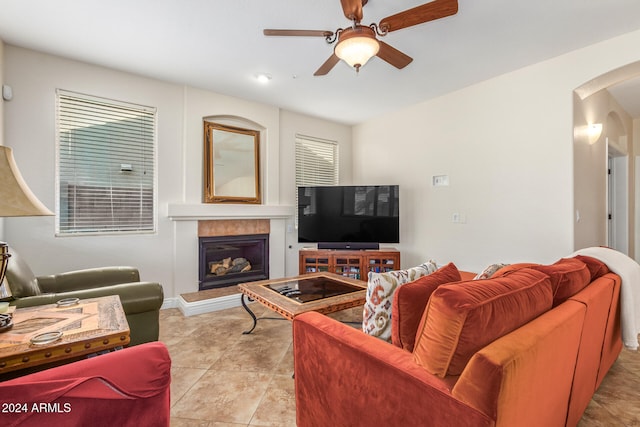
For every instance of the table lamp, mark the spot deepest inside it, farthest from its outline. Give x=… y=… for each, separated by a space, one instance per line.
x=16 y=199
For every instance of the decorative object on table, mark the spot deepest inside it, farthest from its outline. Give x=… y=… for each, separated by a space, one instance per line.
x=6 y=316
x=67 y=302
x=5 y=292
x=6 y=322
x=46 y=338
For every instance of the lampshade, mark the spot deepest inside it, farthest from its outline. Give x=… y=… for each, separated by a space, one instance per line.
x=357 y=46
x=16 y=199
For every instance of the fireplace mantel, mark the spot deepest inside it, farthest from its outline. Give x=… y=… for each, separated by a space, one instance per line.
x=210 y=211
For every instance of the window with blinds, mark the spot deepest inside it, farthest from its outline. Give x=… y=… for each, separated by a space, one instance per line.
x=316 y=163
x=105 y=166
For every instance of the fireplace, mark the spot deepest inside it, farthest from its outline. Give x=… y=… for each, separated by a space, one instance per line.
x=229 y=260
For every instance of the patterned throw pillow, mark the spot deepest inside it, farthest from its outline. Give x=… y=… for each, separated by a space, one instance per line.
x=376 y=316
x=488 y=272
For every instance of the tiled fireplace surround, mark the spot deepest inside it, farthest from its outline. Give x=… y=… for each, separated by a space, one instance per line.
x=194 y=220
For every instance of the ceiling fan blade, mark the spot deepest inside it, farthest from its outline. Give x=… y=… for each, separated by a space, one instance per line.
x=393 y=56
x=302 y=33
x=353 y=9
x=327 y=66
x=427 y=12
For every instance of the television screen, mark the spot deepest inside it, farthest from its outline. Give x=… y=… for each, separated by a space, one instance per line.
x=343 y=217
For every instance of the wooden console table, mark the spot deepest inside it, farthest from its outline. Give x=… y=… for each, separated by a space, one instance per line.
x=91 y=326
x=350 y=263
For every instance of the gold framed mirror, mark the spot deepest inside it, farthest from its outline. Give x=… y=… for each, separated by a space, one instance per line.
x=231 y=164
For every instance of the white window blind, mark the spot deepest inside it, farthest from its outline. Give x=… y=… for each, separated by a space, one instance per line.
x=105 y=166
x=316 y=163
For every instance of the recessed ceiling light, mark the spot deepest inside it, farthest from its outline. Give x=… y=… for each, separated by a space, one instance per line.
x=263 y=78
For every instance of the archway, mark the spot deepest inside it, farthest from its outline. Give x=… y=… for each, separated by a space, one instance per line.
x=603 y=141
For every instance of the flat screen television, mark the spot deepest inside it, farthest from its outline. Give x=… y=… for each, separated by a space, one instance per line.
x=349 y=217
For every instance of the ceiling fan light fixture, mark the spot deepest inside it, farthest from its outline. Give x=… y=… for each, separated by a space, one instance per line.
x=357 y=46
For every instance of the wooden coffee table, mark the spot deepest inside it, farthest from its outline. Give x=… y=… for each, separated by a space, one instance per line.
x=90 y=326
x=291 y=296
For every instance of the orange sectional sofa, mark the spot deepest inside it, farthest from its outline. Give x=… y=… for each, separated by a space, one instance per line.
x=527 y=347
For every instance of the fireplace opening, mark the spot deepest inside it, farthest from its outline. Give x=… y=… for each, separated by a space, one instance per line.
x=229 y=260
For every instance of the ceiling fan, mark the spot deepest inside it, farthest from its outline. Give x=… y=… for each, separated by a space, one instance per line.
x=358 y=43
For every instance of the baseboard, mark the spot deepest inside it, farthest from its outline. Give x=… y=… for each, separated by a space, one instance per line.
x=205 y=306
x=169 y=303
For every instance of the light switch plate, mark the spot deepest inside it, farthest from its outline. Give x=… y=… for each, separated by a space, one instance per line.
x=7 y=92
x=440 y=180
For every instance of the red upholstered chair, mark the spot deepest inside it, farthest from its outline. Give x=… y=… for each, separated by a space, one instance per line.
x=129 y=387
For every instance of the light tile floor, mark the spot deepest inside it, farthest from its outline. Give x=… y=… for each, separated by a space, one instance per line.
x=222 y=378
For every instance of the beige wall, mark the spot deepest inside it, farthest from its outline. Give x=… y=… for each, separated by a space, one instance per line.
x=506 y=145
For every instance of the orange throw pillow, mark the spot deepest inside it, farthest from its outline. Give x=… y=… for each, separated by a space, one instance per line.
x=596 y=267
x=568 y=277
x=461 y=318
x=410 y=300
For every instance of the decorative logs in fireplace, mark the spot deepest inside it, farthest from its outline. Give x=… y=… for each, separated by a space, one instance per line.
x=228 y=265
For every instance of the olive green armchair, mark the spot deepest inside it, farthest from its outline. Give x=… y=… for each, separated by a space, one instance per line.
x=141 y=301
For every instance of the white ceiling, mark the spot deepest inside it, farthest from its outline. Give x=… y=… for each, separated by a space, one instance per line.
x=219 y=45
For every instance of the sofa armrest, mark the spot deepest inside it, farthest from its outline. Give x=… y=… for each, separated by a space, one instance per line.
x=343 y=374
x=88 y=278
x=138 y=297
x=110 y=389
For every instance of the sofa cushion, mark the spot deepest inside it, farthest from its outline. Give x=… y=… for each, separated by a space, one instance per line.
x=376 y=316
x=410 y=300
x=596 y=267
x=568 y=277
x=461 y=318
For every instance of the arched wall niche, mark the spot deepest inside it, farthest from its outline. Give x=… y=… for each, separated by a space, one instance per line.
x=602 y=128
